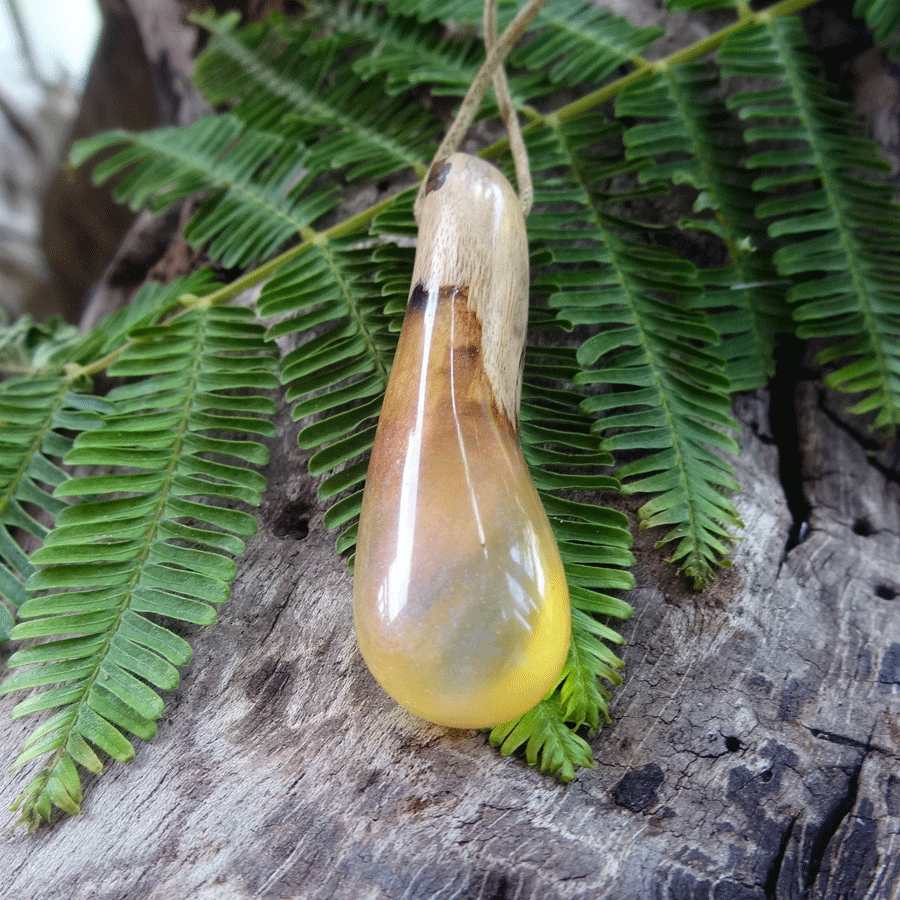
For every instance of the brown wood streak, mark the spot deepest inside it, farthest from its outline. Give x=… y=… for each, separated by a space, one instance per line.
x=457 y=361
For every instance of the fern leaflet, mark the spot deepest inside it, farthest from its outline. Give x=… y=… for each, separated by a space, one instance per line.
x=286 y=84
x=257 y=183
x=685 y=124
x=36 y=413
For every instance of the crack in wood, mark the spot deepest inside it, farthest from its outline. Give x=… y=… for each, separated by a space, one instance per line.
x=773 y=877
x=785 y=430
x=835 y=822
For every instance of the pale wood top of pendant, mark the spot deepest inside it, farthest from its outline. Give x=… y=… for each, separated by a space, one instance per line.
x=472 y=234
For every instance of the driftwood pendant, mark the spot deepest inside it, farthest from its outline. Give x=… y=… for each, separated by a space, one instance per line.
x=460 y=600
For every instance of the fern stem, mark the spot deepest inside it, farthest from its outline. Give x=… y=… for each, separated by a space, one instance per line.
x=346 y=228
x=695 y=51
x=14 y=369
x=75 y=371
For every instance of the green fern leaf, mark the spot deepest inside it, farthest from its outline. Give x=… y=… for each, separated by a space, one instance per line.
x=579 y=41
x=684 y=123
x=548 y=741
x=831 y=203
x=582 y=43
x=285 y=83
x=666 y=392
x=401 y=50
x=882 y=16
x=154 y=540
x=338 y=376
x=151 y=304
x=463 y=12
x=26 y=345
x=256 y=183
x=37 y=413
x=701 y=5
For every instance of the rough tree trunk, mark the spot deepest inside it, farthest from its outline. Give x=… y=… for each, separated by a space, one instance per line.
x=754 y=750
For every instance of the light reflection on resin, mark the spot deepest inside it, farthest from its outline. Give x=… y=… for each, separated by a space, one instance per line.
x=460 y=601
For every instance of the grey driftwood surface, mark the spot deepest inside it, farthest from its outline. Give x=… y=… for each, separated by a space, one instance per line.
x=753 y=753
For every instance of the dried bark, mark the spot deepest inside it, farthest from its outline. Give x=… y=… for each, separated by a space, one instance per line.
x=754 y=750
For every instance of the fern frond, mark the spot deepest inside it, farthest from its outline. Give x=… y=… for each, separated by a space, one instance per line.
x=282 y=82
x=577 y=42
x=153 y=302
x=882 y=16
x=665 y=390
x=582 y=43
x=701 y=5
x=257 y=183
x=832 y=205
x=594 y=542
x=549 y=742
x=462 y=12
x=153 y=540
x=686 y=132
x=29 y=346
x=338 y=376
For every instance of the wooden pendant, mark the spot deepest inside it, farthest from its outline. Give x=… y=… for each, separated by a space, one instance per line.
x=460 y=600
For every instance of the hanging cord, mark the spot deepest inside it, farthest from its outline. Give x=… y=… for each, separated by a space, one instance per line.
x=508 y=112
x=492 y=70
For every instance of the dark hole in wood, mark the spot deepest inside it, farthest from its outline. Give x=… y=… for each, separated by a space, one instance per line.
x=767 y=775
x=732 y=744
x=862 y=527
x=292 y=521
x=885 y=592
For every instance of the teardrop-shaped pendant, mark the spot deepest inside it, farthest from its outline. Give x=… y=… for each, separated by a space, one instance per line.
x=460 y=600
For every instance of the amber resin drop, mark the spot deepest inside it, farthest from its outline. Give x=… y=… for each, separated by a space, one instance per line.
x=460 y=600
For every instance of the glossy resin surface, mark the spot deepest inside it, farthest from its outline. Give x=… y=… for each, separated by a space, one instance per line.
x=460 y=601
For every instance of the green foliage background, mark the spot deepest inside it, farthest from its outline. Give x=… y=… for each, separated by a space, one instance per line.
x=134 y=503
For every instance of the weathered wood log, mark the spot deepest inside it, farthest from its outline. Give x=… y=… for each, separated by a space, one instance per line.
x=754 y=750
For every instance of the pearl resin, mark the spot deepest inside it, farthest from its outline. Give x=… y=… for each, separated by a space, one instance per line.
x=460 y=600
